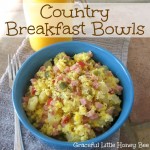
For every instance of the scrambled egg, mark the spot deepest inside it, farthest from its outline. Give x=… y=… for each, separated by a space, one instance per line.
x=73 y=97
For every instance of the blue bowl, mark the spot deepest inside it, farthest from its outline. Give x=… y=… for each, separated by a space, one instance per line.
x=31 y=66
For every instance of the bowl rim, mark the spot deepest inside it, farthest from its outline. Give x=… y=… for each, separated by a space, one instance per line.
x=97 y=139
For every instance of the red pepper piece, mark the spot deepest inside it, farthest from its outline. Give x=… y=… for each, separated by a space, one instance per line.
x=81 y=63
x=65 y=120
x=49 y=101
x=33 y=91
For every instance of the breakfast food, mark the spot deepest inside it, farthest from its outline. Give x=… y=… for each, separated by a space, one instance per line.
x=73 y=98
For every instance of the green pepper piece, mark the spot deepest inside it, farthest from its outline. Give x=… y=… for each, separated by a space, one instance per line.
x=47 y=74
x=63 y=85
x=90 y=92
x=96 y=72
x=105 y=68
x=48 y=63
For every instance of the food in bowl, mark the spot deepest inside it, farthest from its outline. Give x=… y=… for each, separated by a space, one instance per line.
x=73 y=98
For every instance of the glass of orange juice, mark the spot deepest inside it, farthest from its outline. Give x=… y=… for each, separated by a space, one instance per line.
x=38 y=42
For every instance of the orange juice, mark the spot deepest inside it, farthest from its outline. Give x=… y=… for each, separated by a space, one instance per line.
x=39 y=42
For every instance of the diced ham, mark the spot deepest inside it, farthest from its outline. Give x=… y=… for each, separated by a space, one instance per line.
x=88 y=105
x=45 y=107
x=52 y=112
x=74 y=67
x=55 y=69
x=92 y=115
x=74 y=83
x=109 y=73
x=85 y=119
x=25 y=99
x=42 y=68
x=67 y=57
x=55 y=132
x=40 y=124
x=98 y=129
x=83 y=101
x=55 y=125
x=110 y=110
x=45 y=112
x=53 y=81
x=119 y=88
x=44 y=117
x=95 y=84
x=60 y=77
x=77 y=91
x=78 y=70
x=52 y=103
x=66 y=79
x=90 y=54
x=93 y=77
x=98 y=105
x=97 y=65
x=87 y=125
x=111 y=91
x=67 y=69
x=35 y=76
x=88 y=75
x=33 y=80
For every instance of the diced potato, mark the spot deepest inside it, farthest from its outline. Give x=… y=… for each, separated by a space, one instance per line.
x=53 y=118
x=42 y=97
x=104 y=87
x=32 y=103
